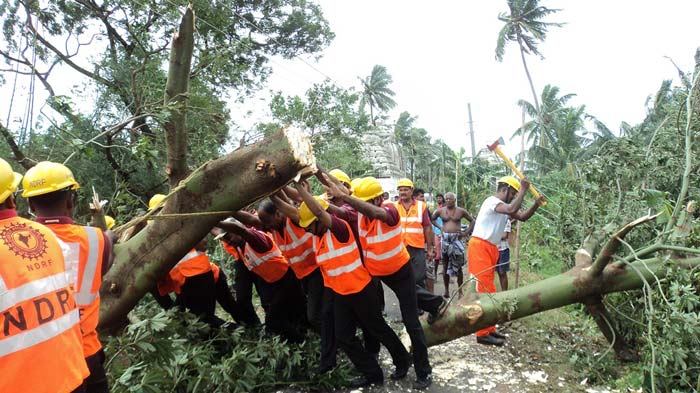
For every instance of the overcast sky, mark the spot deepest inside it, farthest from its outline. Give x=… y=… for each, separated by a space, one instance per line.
x=441 y=57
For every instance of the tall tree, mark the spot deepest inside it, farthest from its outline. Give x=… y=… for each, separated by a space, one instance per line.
x=376 y=92
x=125 y=78
x=524 y=25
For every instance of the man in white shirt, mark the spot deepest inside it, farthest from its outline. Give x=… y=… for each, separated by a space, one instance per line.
x=483 y=246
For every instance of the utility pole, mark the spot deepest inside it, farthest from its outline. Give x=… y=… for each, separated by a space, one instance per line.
x=471 y=129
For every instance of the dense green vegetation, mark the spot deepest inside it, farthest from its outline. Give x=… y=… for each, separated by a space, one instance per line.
x=591 y=175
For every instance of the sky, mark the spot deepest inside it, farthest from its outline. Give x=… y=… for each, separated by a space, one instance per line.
x=611 y=54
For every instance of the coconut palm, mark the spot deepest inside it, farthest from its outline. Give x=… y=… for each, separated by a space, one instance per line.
x=376 y=92
x=524 y=25
x=540 y=131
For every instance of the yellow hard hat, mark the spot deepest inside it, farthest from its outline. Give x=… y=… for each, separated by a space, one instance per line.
x=355 y=182
x=109 y=220
x=155 y=201
x=9 y=180
x=340 y=175
x=511 y=181
x=305 y=215
x=369 y=188
x=46 y=177
x=404 y=183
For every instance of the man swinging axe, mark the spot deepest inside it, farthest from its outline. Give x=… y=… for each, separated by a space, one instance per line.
x=482 y=252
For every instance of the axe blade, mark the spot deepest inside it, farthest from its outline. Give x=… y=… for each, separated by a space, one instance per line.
x=498 y=142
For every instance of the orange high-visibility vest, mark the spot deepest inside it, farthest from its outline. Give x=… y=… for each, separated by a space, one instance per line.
x=412 y=223
x=216 y=270
x=40 y=344
x=297 y=245
x=193 y=263
x=86 y=249
x=340 y=263
x=271 y=265
x=232 y=250
x=384 y=250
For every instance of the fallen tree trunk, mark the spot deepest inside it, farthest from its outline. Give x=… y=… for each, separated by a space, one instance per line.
x=223 y=185
x=478 y=310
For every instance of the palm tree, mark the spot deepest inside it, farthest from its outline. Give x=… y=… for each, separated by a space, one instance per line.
x=524 y=25
x=540 y=131
x=376 y=92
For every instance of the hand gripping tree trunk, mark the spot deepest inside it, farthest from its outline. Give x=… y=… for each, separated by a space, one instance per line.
x=223 y=185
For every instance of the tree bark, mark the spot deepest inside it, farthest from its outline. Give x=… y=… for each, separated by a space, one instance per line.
x=176 y=98
x=479 y=310
x=225 y=184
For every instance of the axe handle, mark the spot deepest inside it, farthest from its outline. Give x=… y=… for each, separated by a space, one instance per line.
x=515 y=169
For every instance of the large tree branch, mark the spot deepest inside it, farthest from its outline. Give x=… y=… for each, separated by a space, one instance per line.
x=477 y=311
x=613 y=244
x=226 y=184
x=176 y=98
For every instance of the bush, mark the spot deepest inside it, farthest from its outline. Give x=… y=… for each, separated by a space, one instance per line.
x=174 y=351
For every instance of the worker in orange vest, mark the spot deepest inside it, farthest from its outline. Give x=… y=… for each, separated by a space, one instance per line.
x=264 y=258
x=194 y=281
x=297 y=246
x=354 y=298
x=243 y=282
x=41 y=349
x=51 y=190
x=417 y=233
x=483 y=245
x=319 y=298
x=386 y=258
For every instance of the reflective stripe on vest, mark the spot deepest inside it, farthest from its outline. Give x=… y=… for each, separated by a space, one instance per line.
x=340 y=263
x=40 y=345
x=190 y=255
x=84 y=261
x=412 y=224
x=297 y=246
x=271 y=265
x=33 y=289
x=83 y=296
x=255 y=260
x=385 y=252
x=39 y=334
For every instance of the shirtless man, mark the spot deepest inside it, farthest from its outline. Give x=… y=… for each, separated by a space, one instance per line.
x=452 y=248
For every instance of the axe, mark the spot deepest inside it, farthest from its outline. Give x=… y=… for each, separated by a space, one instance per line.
x=495 y=147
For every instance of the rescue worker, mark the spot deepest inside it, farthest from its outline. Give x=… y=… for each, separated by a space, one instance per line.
x=243 y=282
x=354 y=299
x=329 y=348
x=347 y=213
x=41 y=349
x=417 y=235
x=194 y=281
x=483 y=246
x=417 y=231
x=386 y=258
x=51 y=191
x=264 y=258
